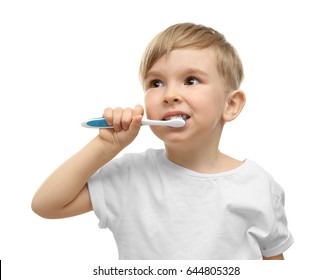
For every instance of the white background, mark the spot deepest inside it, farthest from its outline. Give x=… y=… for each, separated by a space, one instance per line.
x=64 y=61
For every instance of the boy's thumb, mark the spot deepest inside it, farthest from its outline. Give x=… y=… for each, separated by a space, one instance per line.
x=136 y=123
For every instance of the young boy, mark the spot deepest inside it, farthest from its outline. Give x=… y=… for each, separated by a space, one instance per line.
x=189 y=200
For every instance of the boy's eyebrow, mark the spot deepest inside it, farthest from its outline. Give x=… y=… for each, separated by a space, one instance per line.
x=186 y=71
x=192 y=71
x=153 y=73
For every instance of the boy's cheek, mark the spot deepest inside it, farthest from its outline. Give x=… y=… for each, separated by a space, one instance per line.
x=151 y=108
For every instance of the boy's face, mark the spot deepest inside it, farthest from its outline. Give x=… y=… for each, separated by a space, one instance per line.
x=186 y=82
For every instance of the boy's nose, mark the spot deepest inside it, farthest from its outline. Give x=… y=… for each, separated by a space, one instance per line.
x=172 y=97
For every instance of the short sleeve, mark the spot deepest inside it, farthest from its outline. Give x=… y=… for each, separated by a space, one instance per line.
x=106 y=188
x=278 y=238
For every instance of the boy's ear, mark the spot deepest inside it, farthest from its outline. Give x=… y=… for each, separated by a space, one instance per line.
x=234 y=105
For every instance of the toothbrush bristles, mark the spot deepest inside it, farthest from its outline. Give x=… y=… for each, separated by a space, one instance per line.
x=176 y=122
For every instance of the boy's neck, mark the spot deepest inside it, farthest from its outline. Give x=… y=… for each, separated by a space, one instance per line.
x=203 y=159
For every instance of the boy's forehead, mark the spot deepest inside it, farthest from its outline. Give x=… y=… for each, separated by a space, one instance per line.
x=186 y=58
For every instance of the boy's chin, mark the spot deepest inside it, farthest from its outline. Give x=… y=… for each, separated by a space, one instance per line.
x=171 y=136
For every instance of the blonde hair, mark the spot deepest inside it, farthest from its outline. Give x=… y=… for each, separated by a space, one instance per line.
x=189 y=35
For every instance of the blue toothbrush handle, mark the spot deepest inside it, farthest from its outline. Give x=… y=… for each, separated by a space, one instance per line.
x=96 y=123
x=101 y=123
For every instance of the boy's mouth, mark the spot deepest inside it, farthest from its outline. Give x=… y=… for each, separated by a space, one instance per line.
x=175 y=115
x=184 y=117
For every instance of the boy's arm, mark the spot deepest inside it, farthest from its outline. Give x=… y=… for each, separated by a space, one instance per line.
x=65 y=192
x=278 y=257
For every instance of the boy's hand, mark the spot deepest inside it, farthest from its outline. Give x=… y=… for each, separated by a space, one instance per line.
x=126 y=122
x=65 y=193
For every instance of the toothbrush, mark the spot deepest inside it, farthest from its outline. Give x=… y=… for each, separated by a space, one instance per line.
x=101 y=123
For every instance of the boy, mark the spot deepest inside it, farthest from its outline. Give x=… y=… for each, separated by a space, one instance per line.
x=189 y=201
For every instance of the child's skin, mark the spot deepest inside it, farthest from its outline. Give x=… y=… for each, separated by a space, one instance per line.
x=185 y=82
x=188 y=82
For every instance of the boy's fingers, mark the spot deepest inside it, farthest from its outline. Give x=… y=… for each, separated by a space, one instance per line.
x=127 y=116
x=124 y=119
x=136 y=123
x=117 y=117
x=137 y=118
x=134 y=127
x=108 y=115
x=138 y=110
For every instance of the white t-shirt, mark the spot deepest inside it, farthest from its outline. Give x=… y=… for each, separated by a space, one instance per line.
x=159 y=210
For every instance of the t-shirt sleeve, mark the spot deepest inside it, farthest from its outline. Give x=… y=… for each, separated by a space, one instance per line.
x=277 y=237
x=106 y=188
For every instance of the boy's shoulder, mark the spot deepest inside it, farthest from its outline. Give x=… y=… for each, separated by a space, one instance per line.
x=247 y=167
x=261 y=176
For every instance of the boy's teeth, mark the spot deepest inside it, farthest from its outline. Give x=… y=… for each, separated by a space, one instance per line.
x=184 y=117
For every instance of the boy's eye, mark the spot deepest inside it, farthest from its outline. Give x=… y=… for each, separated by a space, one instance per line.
x=191 y=81
x=156 y=84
